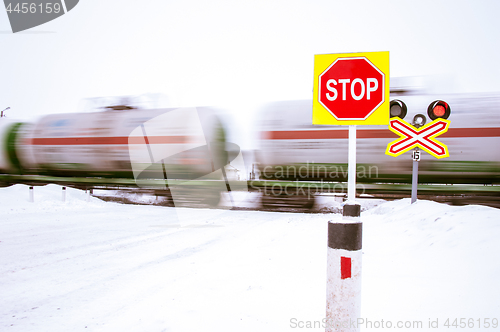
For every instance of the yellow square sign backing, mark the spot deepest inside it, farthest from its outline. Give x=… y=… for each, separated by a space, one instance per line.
x=351 y=89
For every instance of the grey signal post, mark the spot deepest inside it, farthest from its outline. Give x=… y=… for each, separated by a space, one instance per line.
x=414 y=178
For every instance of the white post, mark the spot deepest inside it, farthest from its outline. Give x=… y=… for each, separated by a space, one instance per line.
x=32 y=194
x=343 y=284
x=64 y=194
x=343 y=276
x=351 y=176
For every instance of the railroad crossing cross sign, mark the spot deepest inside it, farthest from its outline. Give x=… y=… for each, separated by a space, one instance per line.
x=424 y=137
x=351 y=88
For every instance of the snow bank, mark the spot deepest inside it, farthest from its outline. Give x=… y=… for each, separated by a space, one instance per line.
x=16 y=198
x=102 y=266
x=431 y=260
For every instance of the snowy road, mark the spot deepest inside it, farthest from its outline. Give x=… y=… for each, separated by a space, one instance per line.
x=100 y=266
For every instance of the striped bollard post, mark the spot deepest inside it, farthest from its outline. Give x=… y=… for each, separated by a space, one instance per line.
x=89 y=193
x=343 y=282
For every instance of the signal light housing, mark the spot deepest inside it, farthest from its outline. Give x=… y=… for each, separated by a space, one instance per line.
x=419 y=120
x=439 y=109
x=397 y=108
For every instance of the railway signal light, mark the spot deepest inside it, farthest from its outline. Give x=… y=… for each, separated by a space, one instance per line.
x=417 y=134
x=397 y=108
x=419 y=120
x=439 y=109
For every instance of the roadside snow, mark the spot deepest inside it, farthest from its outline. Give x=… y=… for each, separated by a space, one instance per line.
x=102 y=266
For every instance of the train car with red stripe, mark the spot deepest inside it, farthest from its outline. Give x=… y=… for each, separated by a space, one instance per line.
x=184 y=143
x=291 y=148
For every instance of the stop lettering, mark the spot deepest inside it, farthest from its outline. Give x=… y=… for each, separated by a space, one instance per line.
x=351 y=88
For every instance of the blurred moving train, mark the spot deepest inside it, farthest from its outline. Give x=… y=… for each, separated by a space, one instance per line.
x=291 y=148
x=127 y=142
x=119 y=142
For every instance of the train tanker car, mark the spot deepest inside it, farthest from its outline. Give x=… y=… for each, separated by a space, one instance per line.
x=292 y=149
x=120 y=142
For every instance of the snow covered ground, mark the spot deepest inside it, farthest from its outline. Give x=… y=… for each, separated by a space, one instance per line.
x=102 y=266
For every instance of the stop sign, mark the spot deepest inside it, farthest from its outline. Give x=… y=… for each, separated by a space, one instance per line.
x=351 y=88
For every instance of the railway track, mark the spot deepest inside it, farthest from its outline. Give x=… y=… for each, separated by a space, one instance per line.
x=275 y=195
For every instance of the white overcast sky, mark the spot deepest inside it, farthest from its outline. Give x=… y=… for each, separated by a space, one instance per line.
x=237 y=53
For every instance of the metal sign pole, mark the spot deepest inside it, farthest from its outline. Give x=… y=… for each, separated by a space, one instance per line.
x=351 y=175
x=414 y=178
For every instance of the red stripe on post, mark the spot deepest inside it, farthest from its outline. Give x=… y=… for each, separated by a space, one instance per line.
x=345 y=267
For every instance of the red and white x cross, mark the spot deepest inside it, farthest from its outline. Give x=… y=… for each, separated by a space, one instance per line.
x=423 y=137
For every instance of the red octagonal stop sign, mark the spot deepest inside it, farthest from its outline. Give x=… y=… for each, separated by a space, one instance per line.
x=351 y=88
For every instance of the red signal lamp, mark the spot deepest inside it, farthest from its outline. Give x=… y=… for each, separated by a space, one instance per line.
x=439 y=109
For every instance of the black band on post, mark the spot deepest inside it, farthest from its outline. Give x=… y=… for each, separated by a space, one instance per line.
x=345 y=236
x=353 y=210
